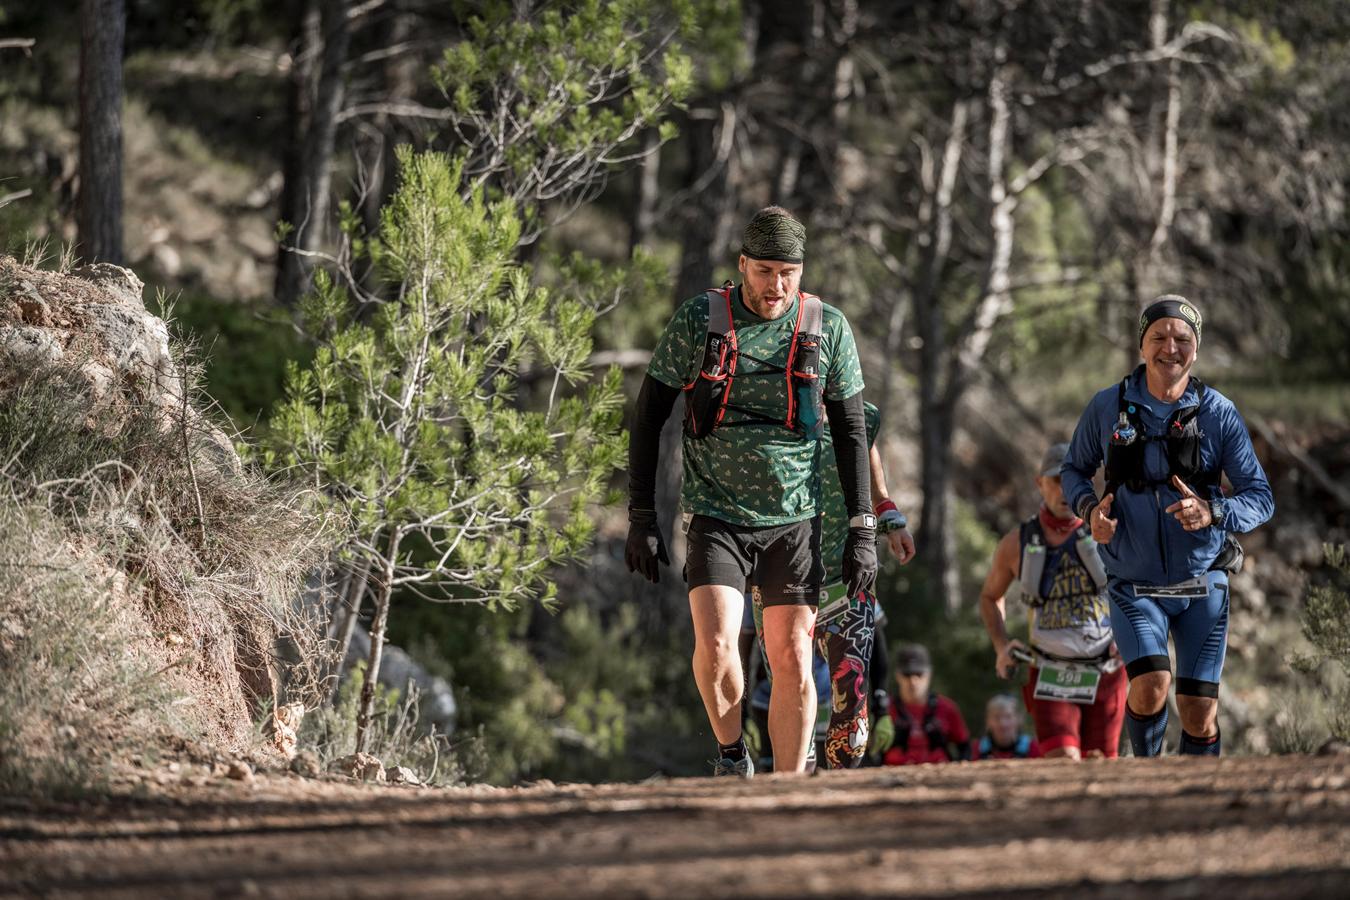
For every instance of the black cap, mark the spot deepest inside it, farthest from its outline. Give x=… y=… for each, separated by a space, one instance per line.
x=1053 y=460
x=912 y=659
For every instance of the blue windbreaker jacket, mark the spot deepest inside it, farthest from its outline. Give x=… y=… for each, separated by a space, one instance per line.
x=1150 y=546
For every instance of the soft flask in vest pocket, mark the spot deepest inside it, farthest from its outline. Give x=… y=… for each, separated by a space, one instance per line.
x=1125 y=454
x=1183 y=442
x=705 y=401
x=808 y=410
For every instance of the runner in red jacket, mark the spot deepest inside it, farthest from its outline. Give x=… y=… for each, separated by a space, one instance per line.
x=936 y=732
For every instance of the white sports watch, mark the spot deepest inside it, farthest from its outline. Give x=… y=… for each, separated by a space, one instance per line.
x=864 y=520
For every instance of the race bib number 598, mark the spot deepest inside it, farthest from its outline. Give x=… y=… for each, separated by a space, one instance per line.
x=1075 y=684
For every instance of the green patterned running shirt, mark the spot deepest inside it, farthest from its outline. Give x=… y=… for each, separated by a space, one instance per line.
x=754 y=474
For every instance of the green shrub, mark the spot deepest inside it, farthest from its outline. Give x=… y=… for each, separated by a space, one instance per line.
x=395 y=737
x=1326 y=626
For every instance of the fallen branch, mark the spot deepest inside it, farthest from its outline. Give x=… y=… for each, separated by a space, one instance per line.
x=17 y=195
x=24 y=44
x=406 y=110
x=624 y=359
x=1303 y=461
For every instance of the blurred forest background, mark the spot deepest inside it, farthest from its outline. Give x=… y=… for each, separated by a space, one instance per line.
x=992 y=189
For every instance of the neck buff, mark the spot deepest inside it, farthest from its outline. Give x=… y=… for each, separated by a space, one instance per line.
x=1052 y=523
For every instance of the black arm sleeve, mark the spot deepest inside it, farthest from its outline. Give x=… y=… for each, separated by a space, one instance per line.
x=848 y=428
x=654 y=403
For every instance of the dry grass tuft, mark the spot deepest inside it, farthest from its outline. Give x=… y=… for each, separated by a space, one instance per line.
x=148 y=577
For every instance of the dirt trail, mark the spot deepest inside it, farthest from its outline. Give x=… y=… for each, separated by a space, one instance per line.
x=1257 y=827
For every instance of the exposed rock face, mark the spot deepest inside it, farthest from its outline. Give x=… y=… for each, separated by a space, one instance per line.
x=99 y=318
x=85 y=339
x=239 y=771
x=94 y=322
x=361 y=766
x=402 y=775
x=285 y=727
x=306 y=764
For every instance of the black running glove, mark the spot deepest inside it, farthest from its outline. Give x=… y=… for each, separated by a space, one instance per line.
x=860 y=560
x=645 y=547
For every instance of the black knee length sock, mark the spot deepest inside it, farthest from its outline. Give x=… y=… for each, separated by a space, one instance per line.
x=1199 y=746
x=1146 y=732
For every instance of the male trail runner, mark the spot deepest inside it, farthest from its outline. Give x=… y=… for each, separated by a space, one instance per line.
x=1054 y=558
x=846 y=626
x=929 y=727
x=1164 y=525
x=762 y=366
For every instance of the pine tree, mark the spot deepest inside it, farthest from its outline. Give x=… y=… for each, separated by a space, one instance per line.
x=408 y=417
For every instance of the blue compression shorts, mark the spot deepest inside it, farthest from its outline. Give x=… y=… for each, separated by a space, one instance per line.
x=1195 y=614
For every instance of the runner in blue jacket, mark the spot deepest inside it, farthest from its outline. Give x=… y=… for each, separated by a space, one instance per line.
x=1164 y=526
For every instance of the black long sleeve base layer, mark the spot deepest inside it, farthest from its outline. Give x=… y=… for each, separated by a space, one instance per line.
x=848 y=429
x=654 y=403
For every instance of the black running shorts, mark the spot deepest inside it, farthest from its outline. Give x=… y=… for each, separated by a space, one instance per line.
x=784 y=560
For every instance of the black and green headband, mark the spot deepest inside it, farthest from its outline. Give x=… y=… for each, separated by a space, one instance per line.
x=1170 y=306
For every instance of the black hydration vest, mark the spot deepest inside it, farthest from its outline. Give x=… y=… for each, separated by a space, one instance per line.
x=1125 y=462
x=707 y=397
x=1020 y=749
x=1034 y=551
x=932 y=726
x=1182 y=437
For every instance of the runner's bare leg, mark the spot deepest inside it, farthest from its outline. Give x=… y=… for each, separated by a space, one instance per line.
x=1148 y=692
x=1066 y=752
x=717 y=611
x=1199 y=715
x=792 y=706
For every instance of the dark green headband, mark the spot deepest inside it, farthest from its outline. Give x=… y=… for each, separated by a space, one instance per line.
x=776 y=235
x=1170 y=306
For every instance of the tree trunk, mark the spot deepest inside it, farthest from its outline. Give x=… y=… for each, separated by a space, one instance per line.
x=1163 y=151
x=1148 y=268
x=995 y=295
x=643 y=220
x=712 y=181
x=311 y=200
x=346 y=616
x=400 y=83
x=936 y=536
x=305 y=46
x=711 y=207
x=793 y=144
x=384 y=589
x=938 y=428
x=936 y=540
x=102 y=34
x=844 y=68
